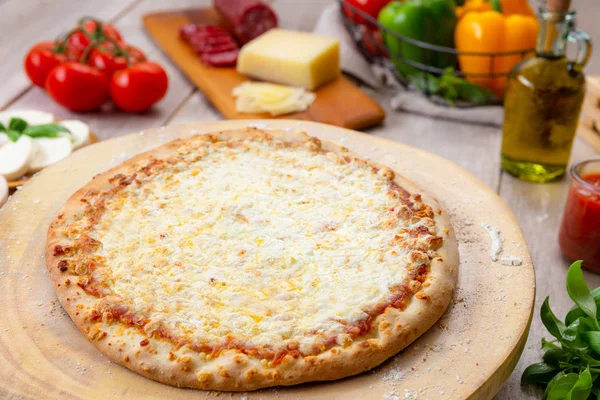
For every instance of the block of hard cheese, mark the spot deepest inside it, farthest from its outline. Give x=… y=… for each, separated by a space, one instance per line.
x=293 y=58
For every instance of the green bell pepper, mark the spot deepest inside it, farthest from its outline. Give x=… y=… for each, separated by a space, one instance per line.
x=430 y=21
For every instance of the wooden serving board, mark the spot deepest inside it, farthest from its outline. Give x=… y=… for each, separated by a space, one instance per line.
x=21 y=181
x=338 y=103
x=591 y=113
x=469 y=353
x=588 y=132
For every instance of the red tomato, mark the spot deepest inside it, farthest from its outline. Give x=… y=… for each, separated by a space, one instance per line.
x=108 y=30
x=371 y=7
x=138 y=87
x=373 y=42
x=79 y=40
x=40 y=60
x=77 y=87
x=109 y=60
x=76 y=45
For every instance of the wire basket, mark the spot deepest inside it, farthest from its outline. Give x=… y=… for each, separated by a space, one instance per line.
x=368 y=33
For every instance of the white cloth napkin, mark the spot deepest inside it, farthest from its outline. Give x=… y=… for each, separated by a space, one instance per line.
x=352 y=62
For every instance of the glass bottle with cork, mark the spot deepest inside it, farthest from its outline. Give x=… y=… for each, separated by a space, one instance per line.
x=543 y=99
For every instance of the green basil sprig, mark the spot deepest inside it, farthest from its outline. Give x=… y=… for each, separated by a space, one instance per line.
x=571 y=362
x=451 y=87
x=18 y=127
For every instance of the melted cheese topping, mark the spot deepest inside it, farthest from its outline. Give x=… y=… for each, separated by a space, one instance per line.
x=269 y=245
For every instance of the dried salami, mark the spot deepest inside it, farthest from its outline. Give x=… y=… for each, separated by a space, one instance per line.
x=247 y=19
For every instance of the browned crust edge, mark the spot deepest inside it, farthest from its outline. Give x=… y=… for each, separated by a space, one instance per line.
x=232 y=371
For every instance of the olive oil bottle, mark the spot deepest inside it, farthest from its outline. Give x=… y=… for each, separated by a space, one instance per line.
x=543 y=100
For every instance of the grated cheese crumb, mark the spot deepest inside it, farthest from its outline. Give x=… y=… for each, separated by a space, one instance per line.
x=515 y=261
x=496 y=246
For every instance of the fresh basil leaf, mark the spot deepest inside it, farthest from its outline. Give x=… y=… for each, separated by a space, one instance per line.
x=547 y=345
x=420 y=81
x=583 y=387
x=572 y=334
x=574 y=314
x=553 y=357
x=474 y=94
x=13 y=135
x=562 y=386
x=2 y=127
x=579 y=291
x=539 y=372
x=17 y=124
x=433 y=84
x=577 y=312
x=593 y=340
x=552 y=383
x=47 y=130
x=553 y=324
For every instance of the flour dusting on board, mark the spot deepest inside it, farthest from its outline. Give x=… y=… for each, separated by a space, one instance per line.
x=393 y=376
x=496 y=246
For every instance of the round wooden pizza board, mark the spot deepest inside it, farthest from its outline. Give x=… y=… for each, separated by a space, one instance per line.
x=469 y=353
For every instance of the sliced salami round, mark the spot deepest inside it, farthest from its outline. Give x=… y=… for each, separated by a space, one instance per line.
x=225 y=59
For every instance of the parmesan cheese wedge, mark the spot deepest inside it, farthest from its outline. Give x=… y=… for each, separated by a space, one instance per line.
x=80 y=132
x=49 y=151
x=3 y=190
x=32 y=117
x=16 y=156
x=260 y=97
x=293 y=58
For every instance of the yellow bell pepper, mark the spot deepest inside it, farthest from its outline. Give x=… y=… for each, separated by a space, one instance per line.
x=519 y=7
x=472 y=5
x=491 y=31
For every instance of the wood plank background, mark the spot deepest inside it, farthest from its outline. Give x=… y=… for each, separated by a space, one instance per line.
x=538 y=208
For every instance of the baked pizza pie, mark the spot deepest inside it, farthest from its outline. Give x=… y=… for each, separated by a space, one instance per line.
x=244 y=259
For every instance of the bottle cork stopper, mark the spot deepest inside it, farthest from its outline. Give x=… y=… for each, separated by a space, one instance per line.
x=558 y=5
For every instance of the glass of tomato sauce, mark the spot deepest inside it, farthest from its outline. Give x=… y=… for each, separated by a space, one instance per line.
x=579 y=236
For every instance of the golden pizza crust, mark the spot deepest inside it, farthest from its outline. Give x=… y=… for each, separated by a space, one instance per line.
x=161 y=360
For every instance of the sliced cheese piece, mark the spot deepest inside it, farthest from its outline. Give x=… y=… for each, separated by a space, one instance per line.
x=15 y=157
x=3 y=190
x=32 y=117
x=259 y=97
x=80 y=132
x=49 y=151
x=293 y=58
x=3 y=139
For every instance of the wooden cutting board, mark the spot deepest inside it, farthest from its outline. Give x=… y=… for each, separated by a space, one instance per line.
x=469 y=353
x=591 y=113
x=338 y=103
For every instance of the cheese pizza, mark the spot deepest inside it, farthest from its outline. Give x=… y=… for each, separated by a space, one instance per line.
x=246 y=259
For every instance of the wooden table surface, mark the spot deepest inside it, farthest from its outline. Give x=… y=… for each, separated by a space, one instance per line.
x=538 y=208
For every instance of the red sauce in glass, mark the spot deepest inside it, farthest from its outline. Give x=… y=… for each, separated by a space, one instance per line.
x=579 y=236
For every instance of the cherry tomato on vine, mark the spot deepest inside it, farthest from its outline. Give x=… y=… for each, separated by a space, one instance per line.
x=80 y=39
x=108 y=30
x=40 y=60
x=109 y=59
x=77 y=87
x=370 y=7
x=76 y=45
x=139 y=86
